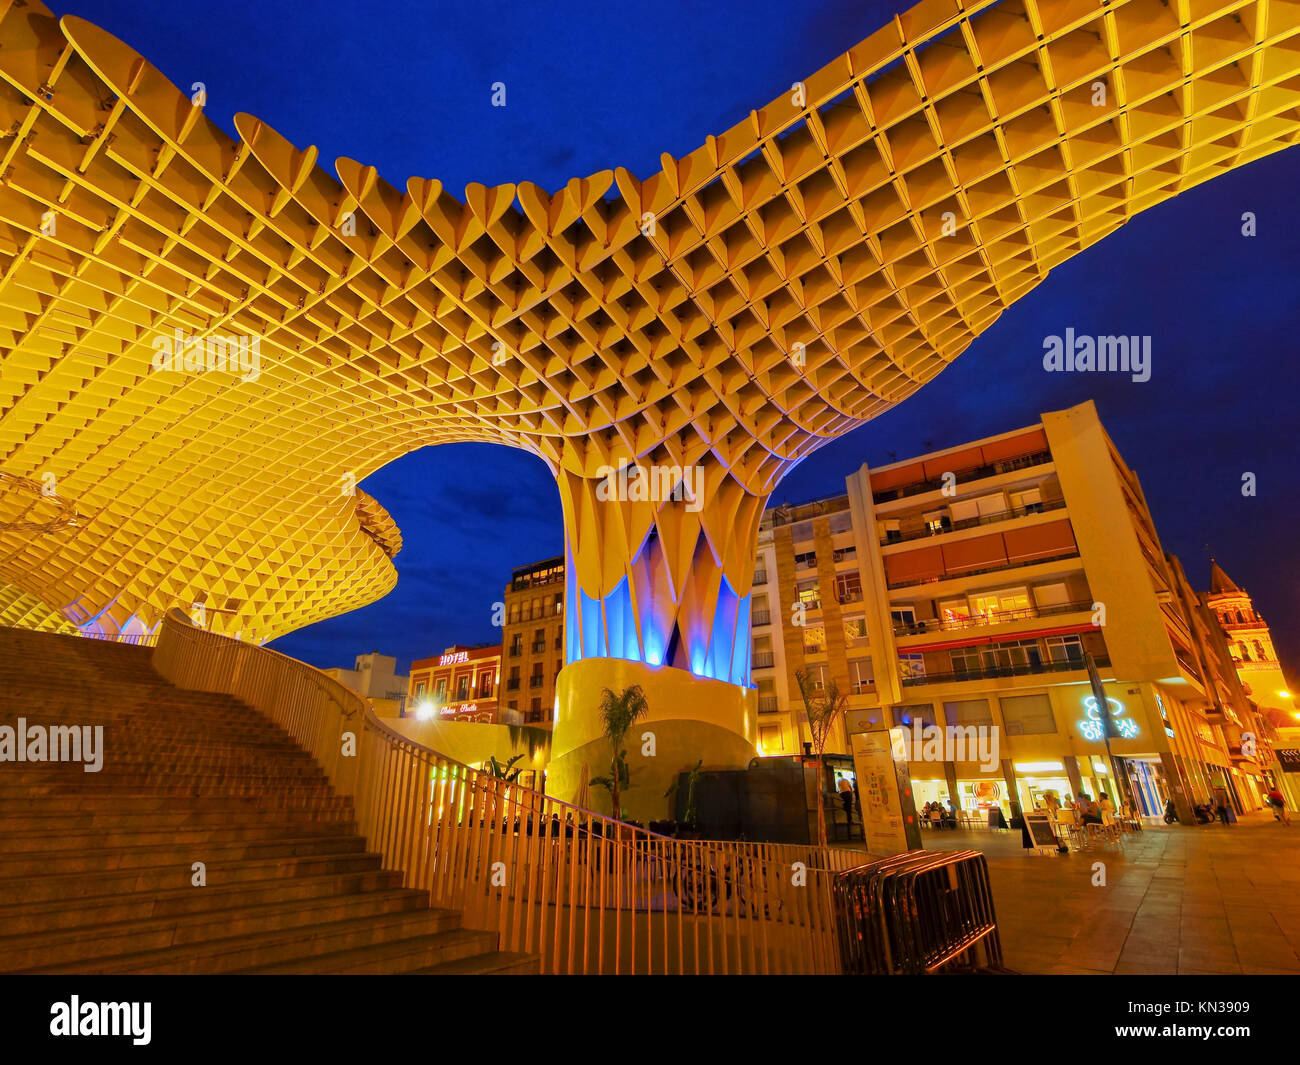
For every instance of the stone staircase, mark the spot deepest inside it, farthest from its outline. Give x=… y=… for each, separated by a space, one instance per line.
x=96 y=869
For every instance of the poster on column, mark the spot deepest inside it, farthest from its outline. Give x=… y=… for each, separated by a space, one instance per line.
x=888 y=811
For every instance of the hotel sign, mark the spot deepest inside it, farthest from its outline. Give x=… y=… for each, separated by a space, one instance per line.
x=1288 y=758
x=453 y=657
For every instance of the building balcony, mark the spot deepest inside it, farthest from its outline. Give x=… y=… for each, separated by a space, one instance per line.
x=850 y=597
x=978 y=621
x=767 y=704
x=539 y=647
x=512 y=685
x=516 y=651
x=1019 y=564
x=764 y=659
x=1070 y=665
x=917 y=488
x=535 y=682
x=972 y=523
x=762 y=617
x=760 y=577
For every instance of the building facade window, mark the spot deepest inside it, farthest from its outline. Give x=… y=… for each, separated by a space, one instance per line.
x=1027 y=715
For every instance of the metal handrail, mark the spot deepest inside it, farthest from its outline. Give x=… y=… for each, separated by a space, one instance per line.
x=584 y=892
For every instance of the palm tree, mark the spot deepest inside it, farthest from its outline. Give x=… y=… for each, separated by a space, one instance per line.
x=618 y=713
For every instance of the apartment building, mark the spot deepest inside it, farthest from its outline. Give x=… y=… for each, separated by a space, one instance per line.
x=966 y=586
x=532 y=642
x=461 y=684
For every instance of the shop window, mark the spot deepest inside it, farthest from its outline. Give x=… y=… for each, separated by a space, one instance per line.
x=770 y=740
x=968 y=712
x=908 y=714
x=1027 y=715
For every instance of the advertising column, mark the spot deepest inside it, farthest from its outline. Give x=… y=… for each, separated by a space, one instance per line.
x=889 y=823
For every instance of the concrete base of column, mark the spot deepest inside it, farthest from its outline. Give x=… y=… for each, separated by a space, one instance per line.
x=690 y=718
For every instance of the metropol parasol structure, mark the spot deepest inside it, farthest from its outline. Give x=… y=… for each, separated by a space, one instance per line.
x=790 y=279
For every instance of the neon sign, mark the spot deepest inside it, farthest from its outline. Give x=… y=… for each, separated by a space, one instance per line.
x=453 y=657
x=1094 y=728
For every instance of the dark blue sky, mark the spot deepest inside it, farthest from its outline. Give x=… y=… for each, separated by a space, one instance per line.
x=406 y=87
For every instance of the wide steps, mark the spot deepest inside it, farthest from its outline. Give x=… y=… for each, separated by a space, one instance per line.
x=16 y=844
x=497 y=963
x=83 y=944
x=180 y=874
x=96 y=869
x=402 y=956
x=171 y=853
x=294 y=946
x=229 y=899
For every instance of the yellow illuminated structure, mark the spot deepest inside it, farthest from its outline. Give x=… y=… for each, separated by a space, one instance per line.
x=793 y=277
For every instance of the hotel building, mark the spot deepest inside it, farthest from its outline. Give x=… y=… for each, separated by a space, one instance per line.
x=532 y=641
x=461 y=684
x=965 y=586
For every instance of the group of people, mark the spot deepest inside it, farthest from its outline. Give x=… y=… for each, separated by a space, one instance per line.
x=1087 y=811
x=948 y=813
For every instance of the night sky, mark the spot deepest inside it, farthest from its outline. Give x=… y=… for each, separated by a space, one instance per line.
x=406 y=87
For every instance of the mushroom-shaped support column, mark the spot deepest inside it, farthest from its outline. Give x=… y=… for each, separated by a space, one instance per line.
x=660 y=567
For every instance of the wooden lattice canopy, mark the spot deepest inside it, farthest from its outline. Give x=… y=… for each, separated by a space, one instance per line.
x=790 y=279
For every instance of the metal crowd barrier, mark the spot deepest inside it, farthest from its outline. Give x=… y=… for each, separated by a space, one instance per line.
x=919 y=912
